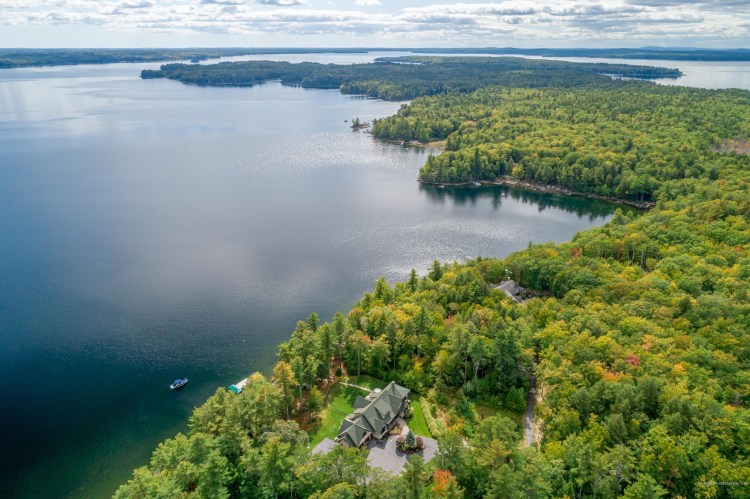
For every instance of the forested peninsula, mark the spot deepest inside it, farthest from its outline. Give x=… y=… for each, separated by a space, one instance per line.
x=401 y=78
x=621 y=141
x=636 y=334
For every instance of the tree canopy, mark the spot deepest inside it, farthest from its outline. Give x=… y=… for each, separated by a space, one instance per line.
x=401 y=78
x=638 y=332
x=621 y=141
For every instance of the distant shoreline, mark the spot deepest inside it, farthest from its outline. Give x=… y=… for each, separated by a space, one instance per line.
x=20 y=58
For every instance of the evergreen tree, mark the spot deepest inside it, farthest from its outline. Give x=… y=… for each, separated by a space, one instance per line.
x=436 y=272
x=413 y=281
x=413 y=477
x=283 y=376
x=410 y=440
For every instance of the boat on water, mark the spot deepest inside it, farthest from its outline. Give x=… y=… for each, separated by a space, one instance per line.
x=178 y=383
x=477 y=184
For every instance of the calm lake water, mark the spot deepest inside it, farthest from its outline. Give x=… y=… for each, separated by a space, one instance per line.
x=703 y=74
x=152 y=230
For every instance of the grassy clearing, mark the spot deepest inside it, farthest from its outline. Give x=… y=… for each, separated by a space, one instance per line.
x=486 y=411
x=417 y=423
x=340 y=403
x=367 y=381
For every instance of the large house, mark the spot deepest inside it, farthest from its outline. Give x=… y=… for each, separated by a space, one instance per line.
x=512 y=290
x=373 y=415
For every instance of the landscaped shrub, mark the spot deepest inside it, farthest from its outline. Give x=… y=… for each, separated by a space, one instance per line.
x=401 y=443
x=432 y=425
x=411 y=442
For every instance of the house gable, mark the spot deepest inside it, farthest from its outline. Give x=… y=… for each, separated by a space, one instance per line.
x=373 y=415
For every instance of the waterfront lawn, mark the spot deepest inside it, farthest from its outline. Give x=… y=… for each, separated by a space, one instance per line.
x=417 y=423
x=340 y=404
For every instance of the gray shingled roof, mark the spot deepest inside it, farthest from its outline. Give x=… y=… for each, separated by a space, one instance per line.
x=361 y=403
x=373 y=414
x=513 y=290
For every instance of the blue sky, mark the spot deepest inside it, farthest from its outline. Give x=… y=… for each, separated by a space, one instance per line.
x=368 y=23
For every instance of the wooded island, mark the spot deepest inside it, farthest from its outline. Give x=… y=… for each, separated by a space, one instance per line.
x=401 y=78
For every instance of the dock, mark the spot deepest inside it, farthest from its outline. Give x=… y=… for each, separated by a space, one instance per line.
x=237 y=387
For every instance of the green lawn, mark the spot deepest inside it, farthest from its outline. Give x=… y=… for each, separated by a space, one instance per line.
x=367 y=381
x=340 y=404
x=417 y=424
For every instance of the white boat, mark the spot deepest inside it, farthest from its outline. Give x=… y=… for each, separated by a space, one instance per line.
x=178 y=383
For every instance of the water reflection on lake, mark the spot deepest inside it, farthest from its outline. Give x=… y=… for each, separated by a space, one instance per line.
x=497 y=194
x=153 y=230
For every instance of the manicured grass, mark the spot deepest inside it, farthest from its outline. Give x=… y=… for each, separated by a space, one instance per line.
x=367 y=381
x=340 y=404
x=417 y=423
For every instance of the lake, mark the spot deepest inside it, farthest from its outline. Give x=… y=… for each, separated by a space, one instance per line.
x=153 y=230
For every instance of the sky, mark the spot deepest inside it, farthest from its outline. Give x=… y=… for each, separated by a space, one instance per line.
x=374 y=23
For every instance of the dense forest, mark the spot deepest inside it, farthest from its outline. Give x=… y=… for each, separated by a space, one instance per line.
x=621 y=140
x=637 y=333
x=400 y=78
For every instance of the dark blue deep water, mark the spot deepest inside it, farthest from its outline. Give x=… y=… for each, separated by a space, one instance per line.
x=151 y=230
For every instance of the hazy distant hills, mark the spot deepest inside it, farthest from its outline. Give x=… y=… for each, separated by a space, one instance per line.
x=12 y=58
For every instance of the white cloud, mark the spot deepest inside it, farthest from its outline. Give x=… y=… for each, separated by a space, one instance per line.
x=224 y=2
x=135 y=4
x=529 y=22
x=282 y=3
